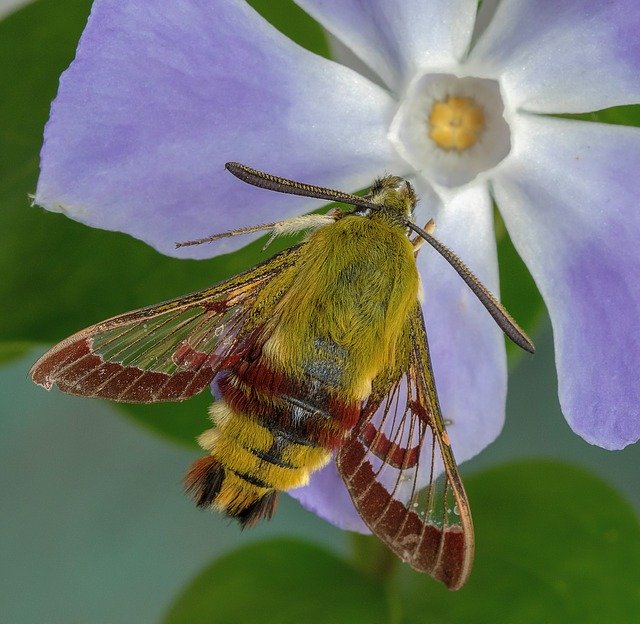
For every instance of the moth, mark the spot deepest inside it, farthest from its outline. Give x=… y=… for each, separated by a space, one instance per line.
x=319 y=353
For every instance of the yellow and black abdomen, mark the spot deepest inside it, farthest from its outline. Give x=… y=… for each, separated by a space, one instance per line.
x=329 y=325
x=271 y=433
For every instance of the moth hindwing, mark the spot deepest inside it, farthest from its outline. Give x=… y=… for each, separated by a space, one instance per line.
x=316 y=354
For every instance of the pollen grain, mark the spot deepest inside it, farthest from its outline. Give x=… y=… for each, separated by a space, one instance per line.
x=456 y=123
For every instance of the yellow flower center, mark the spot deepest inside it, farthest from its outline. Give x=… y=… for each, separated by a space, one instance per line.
x=456 y=123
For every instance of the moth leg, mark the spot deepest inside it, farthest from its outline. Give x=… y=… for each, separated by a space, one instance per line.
x=418 y=241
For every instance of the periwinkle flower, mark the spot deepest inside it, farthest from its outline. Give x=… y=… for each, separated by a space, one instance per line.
x=163 y=92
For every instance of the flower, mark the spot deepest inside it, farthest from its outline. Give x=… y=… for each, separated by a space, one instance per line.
x=162 y=93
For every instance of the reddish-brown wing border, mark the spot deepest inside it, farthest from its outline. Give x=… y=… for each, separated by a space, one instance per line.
x=430 y=528
x=164 y=352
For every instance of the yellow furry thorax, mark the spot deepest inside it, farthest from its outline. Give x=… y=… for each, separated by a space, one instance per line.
x=354 y=285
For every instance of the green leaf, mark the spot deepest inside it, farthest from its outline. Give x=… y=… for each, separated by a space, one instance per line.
x=292 y=21
x=60 y=275
x=554 y=544
x=281 y=581
x=619 y=115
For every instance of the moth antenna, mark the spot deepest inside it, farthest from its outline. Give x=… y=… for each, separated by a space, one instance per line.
x=504 y=320
x=291 y=187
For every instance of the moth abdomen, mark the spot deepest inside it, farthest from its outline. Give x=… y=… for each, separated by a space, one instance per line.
x=304 y=411
x=248 y=464
x=272 y=432
x=206 y=479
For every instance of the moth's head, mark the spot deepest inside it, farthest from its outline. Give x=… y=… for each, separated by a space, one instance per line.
x=394 y=195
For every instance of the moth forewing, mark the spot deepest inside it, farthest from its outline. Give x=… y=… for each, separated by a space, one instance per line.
x=164 y=352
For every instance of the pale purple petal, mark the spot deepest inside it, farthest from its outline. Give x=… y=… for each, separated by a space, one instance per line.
x=570 y=199
x=162 y=94
x=467 y=347
x=396 y=39
x=327 y=497
x=564 y=56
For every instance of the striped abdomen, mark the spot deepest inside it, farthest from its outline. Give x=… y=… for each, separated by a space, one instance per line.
x=271 y=433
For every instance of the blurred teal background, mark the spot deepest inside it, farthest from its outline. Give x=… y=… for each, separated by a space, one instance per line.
x=97 y=529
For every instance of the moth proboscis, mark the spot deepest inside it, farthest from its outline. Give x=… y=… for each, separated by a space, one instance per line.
x=319 y=353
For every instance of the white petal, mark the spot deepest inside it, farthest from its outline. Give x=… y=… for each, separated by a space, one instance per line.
x=564 y=56
x=398 y=38
x=570 y=200
x=410 y=132
x=467 y=347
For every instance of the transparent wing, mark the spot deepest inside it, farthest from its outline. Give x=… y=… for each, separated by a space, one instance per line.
x=166 y=352
x=400 y=471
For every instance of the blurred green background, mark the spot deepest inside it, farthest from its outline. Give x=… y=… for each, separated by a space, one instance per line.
x=95 y=526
